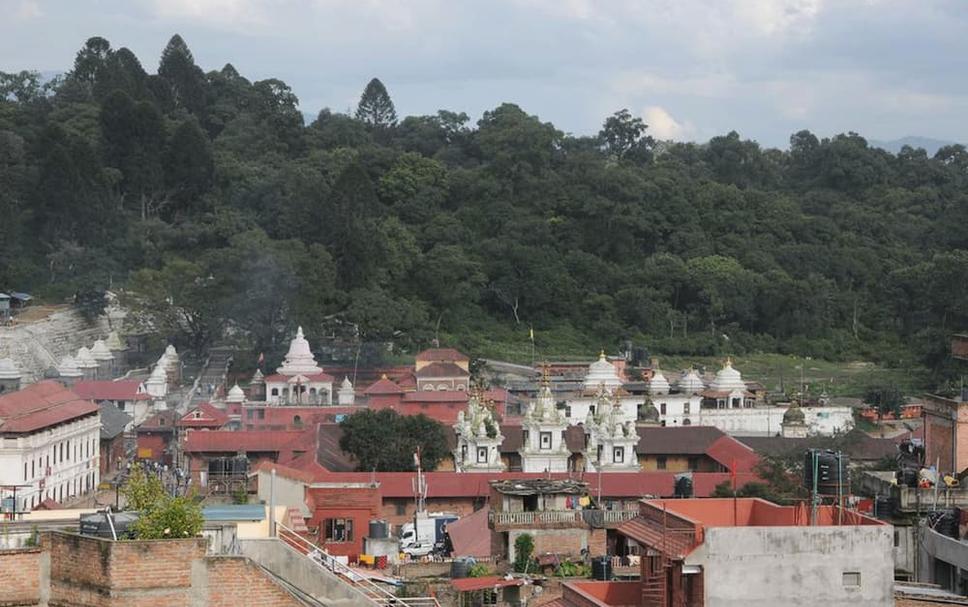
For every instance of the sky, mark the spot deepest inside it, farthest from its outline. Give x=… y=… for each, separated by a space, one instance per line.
x=692 y=69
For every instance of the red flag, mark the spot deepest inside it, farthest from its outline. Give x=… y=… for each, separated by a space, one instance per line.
x=262 y=359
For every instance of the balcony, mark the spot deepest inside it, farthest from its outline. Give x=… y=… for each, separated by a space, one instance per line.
x=502 y=521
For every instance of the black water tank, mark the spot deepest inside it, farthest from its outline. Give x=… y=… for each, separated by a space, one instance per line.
x=460 y=568
x=602 y=568
x=378 y=529
x=97 y=524
x=833 y=474
x=683 y=485
x=884 y=507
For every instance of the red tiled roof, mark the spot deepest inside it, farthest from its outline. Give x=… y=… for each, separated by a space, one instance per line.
x=227 y=441
x=442 y=370
x=209 y=417
x=383 y=386
x=733 y=454
x=40 y=405
x=441 y=355
x=122 y=389
x=470 y=535
x=468 y=584
x=279 y=378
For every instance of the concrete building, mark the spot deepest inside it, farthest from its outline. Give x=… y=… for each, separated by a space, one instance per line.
x=560 y=515
x=113 y=449
x=49 y=444
x=749 y=552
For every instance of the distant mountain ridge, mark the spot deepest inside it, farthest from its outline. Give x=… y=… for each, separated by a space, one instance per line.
x=894 y=146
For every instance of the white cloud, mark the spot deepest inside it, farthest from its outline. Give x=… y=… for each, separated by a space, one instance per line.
x=663 y=126
x=219 y=13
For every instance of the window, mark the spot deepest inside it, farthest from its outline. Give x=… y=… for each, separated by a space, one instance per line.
x=618 y=455
x=897 y=538
x=685 y=408
x=249 y=413
x=339 y=530
x=25 y=470
x=275 y=392
x=693 y=462
x=545 y=440
x=401 y=506
x=660 y=462
x=851 y=579
x=261 y=414
x=482 y=455
x=687 y=422
x=736 y=403
x=297 y=421
x=33 y=469
x=662 y=408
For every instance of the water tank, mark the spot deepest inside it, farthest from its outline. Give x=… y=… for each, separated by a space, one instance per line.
x=460 y=568
x=884 y=507
x=683 y=485
x=378 y=529
x=602 y=568
x=832 y=469
x=97 y=524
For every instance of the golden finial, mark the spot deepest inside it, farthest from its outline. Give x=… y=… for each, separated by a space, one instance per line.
x=384 y=376
x=602 y=353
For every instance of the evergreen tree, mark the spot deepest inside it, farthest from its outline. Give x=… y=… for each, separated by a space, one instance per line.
x=376 y=108
x=185 y=79
x=189 y=167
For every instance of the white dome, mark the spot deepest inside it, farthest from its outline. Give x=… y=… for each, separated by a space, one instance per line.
x=235 y=395
x=658 y=384
x=691 y=383
x=171 y=353
x=728 y=379
x=299 y=360
x=84 y=359
x=100 y=351
x=346 y=385
x=602 y=373
x=114 y=343
x=158 y=374
x=68 y=368
x=8 y=369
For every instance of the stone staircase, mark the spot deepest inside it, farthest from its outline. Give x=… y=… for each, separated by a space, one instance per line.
x=40 y=345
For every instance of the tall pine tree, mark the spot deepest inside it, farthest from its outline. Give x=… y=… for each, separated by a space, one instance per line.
x=185 y=79
x=376 y=108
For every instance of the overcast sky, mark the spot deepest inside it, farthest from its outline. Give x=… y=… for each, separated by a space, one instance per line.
x=692 y=68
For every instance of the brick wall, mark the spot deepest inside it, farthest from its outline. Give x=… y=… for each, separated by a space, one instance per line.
x=235 y=581
x=91 y=572
x=20 y=572
x=397 y=511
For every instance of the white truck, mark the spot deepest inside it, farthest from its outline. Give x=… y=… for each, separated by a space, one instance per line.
x=426 y=533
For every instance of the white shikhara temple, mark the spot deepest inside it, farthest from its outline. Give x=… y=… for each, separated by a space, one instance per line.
x=299 y=381
x=725 y=402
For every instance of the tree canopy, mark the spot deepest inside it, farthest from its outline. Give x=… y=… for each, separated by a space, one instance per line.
x=385 y=441
x=204 y=198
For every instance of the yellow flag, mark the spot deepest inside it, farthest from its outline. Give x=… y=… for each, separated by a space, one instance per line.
x=531 y=332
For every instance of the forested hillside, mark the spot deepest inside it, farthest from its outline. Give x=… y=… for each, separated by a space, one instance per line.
x=206 y=201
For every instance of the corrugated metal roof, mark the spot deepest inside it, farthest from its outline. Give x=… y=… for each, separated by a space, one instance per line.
x=235 y=512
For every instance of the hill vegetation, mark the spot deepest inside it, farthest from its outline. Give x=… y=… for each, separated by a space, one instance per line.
x=206 y=200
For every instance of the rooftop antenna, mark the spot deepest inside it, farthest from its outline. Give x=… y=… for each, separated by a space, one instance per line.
x=419 y=485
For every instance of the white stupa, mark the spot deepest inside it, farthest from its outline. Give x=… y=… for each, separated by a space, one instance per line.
x=601 y=373
x=345 y=396
x=235 y=395
x=658 y=384
x=728 y=379
x=84 y=359
x=9 y=369
x=114 y=343
x=100 y=351
x=299 y=360
x=67 y=368
x=157 y=382
x=691 y=383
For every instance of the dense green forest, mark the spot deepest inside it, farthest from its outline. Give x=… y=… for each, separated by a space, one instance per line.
x=212 y=208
